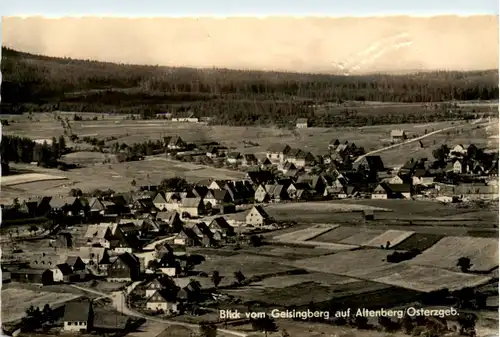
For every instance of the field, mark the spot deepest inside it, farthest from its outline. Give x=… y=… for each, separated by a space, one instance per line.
x=391 y=237
x=420 y=241
x=15 y=301
x=28 y=178
x=349 y=235
x=117 y=177
x=249 y=265
x=288 y=253
x=428 y=279
x=305 y=234
x=482 y=252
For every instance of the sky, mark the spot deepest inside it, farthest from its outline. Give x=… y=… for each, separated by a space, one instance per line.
x=245 y=7
x=307 y=45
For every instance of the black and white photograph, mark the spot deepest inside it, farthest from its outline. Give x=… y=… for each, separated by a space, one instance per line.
x=250 y=177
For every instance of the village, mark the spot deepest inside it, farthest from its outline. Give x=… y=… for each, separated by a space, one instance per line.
x=164 y=250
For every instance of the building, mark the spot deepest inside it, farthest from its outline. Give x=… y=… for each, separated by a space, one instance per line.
x=422 y=177
x=234 y=158
x=398 y=135
x=99 y=235
x=78 y=316
x=381 y=192
x=175 y=143
x=28 y=275
x=67 y=205
x=193 y=207
x=220 y=224
x=300 y=158
x=217 y=197
x=161 y=301
x=459 y=149
x=257 y=216
x=249 y=160
x=260 y=194
x=157 y=284
x=301 y=123
x=277 y=153
x=186 y=237
x=63 y=273
x=124 y=268
x=77 y=266
x=400 y=191
x=276 y=192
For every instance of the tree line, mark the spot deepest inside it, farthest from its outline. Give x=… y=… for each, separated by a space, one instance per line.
x=240 y=97
x=25 y=150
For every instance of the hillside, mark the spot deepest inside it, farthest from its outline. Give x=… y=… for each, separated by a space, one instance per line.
x=41 y=83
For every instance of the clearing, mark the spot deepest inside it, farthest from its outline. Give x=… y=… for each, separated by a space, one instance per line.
x=420 y=241
x=482 y=252
x=391 y=237
x=306 y=234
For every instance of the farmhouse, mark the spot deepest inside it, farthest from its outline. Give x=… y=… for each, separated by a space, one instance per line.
x=422 y=177
x=302 y=123
x=94 y=256
x=157 y=284
x=259 y=177
x=220 y=224
x=163 y=302
x=217 y=185
x=276 y=192
x=300 y=158
x=175 y=143
x=258 y=217
x=40 y=276
x=78 y=316
x=249 y=160
x=67 y=205
x=123 y=268
x=193 y=207
x=382 y=191
x=277 y=153
x=398 y=135
x=186 y=237
x=99 y=235
x=260 y=194
x=373 y=164
x=459 y=149
x=400 y=191
x=333 y=144
x=217 y=197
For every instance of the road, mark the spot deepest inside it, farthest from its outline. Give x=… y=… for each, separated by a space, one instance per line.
x=120 y=304
x=416 y=139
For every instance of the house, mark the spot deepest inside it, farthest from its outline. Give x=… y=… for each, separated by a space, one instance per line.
x=461 y=166
x=217 y=185
x=162 y=302
x=459 y=149
x=204 y=234
x=186 y=237
x=381 y=192
x=217 y=197
x=335 y=192
x=422 y=177
x=66 y=205
x=123 y=268
x=260 y=194
x=160 y=202
x=30 y=275
x=300 y=158
x=288 y=167
x=36 y=207
x=78 y=316
x=220 y=224
x=212 y=152
x=234 y=158
x=77 y=266
x=259 y=177
x=398 y=135
x=249 y=160
x=400 y=191
x=144 y=205
x=199 y=191
x=94 y=256
x=333 y=144
x=176 y=143
x=400 y=179
x=193 y=207
x=276 y=192
x=301 y=123
x=63 y=273
x=266 y=163
x=277 y=153
x=157 y=284
x=372 y=164
x=99 y=235
x=257 y=216
x=292 y=190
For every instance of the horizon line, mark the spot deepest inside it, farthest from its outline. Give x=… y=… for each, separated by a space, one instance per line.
x=370 y=73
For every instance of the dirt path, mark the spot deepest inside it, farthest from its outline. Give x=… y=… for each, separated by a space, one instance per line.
x=416 y=139
x=120 y=304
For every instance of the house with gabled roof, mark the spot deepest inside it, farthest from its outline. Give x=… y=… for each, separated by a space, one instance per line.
x=276 y=192
x=260 y=194
x=159 y=283
x=257 y=216
x=160 y=202
x=66 y=205
x=187 y=237
x=381 y=191
x=459 y=149
x=176 y=143
x=249 y=159
x=398 y=135
x=199 y=191
x=220 y=224
x=400 y=179
x=163 y=301
x=123 y=268
x=276 y=153
x=193 y=207
x=94 y=256
x=258 y=177
x=332 y=145
x=78 y=316
x=302 y=123
x=400 y=191
x=217 y=197
x=217 y=184
x=300 y=158
x=100 y=235
x=422 y=177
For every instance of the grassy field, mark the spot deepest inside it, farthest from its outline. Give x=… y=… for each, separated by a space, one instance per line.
x=117 y=177
x=420 y=241
x=27 y=178
x=391 y=237
x=482 y=252
x=428 y=279
x=349 y=235
x=15 y=301
x=305 y=234
x=126 y=131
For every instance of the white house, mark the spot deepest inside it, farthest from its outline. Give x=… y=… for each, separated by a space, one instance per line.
x=257 y=217
x=302 y=123
x=277 y=153
x=76 y=316
x=460 y=149
x=158 y=301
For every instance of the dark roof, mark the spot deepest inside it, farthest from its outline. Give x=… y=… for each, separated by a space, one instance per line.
x=200 y=191
x=61 y=202
x=129 y=259
x=278 y=148
x=234 y=155
x=221 y=223
x=71 y=260
x=375 y=163
x=77 y=311
x=65 y=269
x=400 y=188
x=259 y=177
x=220 y=195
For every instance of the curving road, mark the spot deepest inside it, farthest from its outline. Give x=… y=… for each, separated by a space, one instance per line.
x=418 y=138
x=120 y=304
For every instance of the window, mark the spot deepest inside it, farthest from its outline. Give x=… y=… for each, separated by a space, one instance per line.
x=69 y=323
